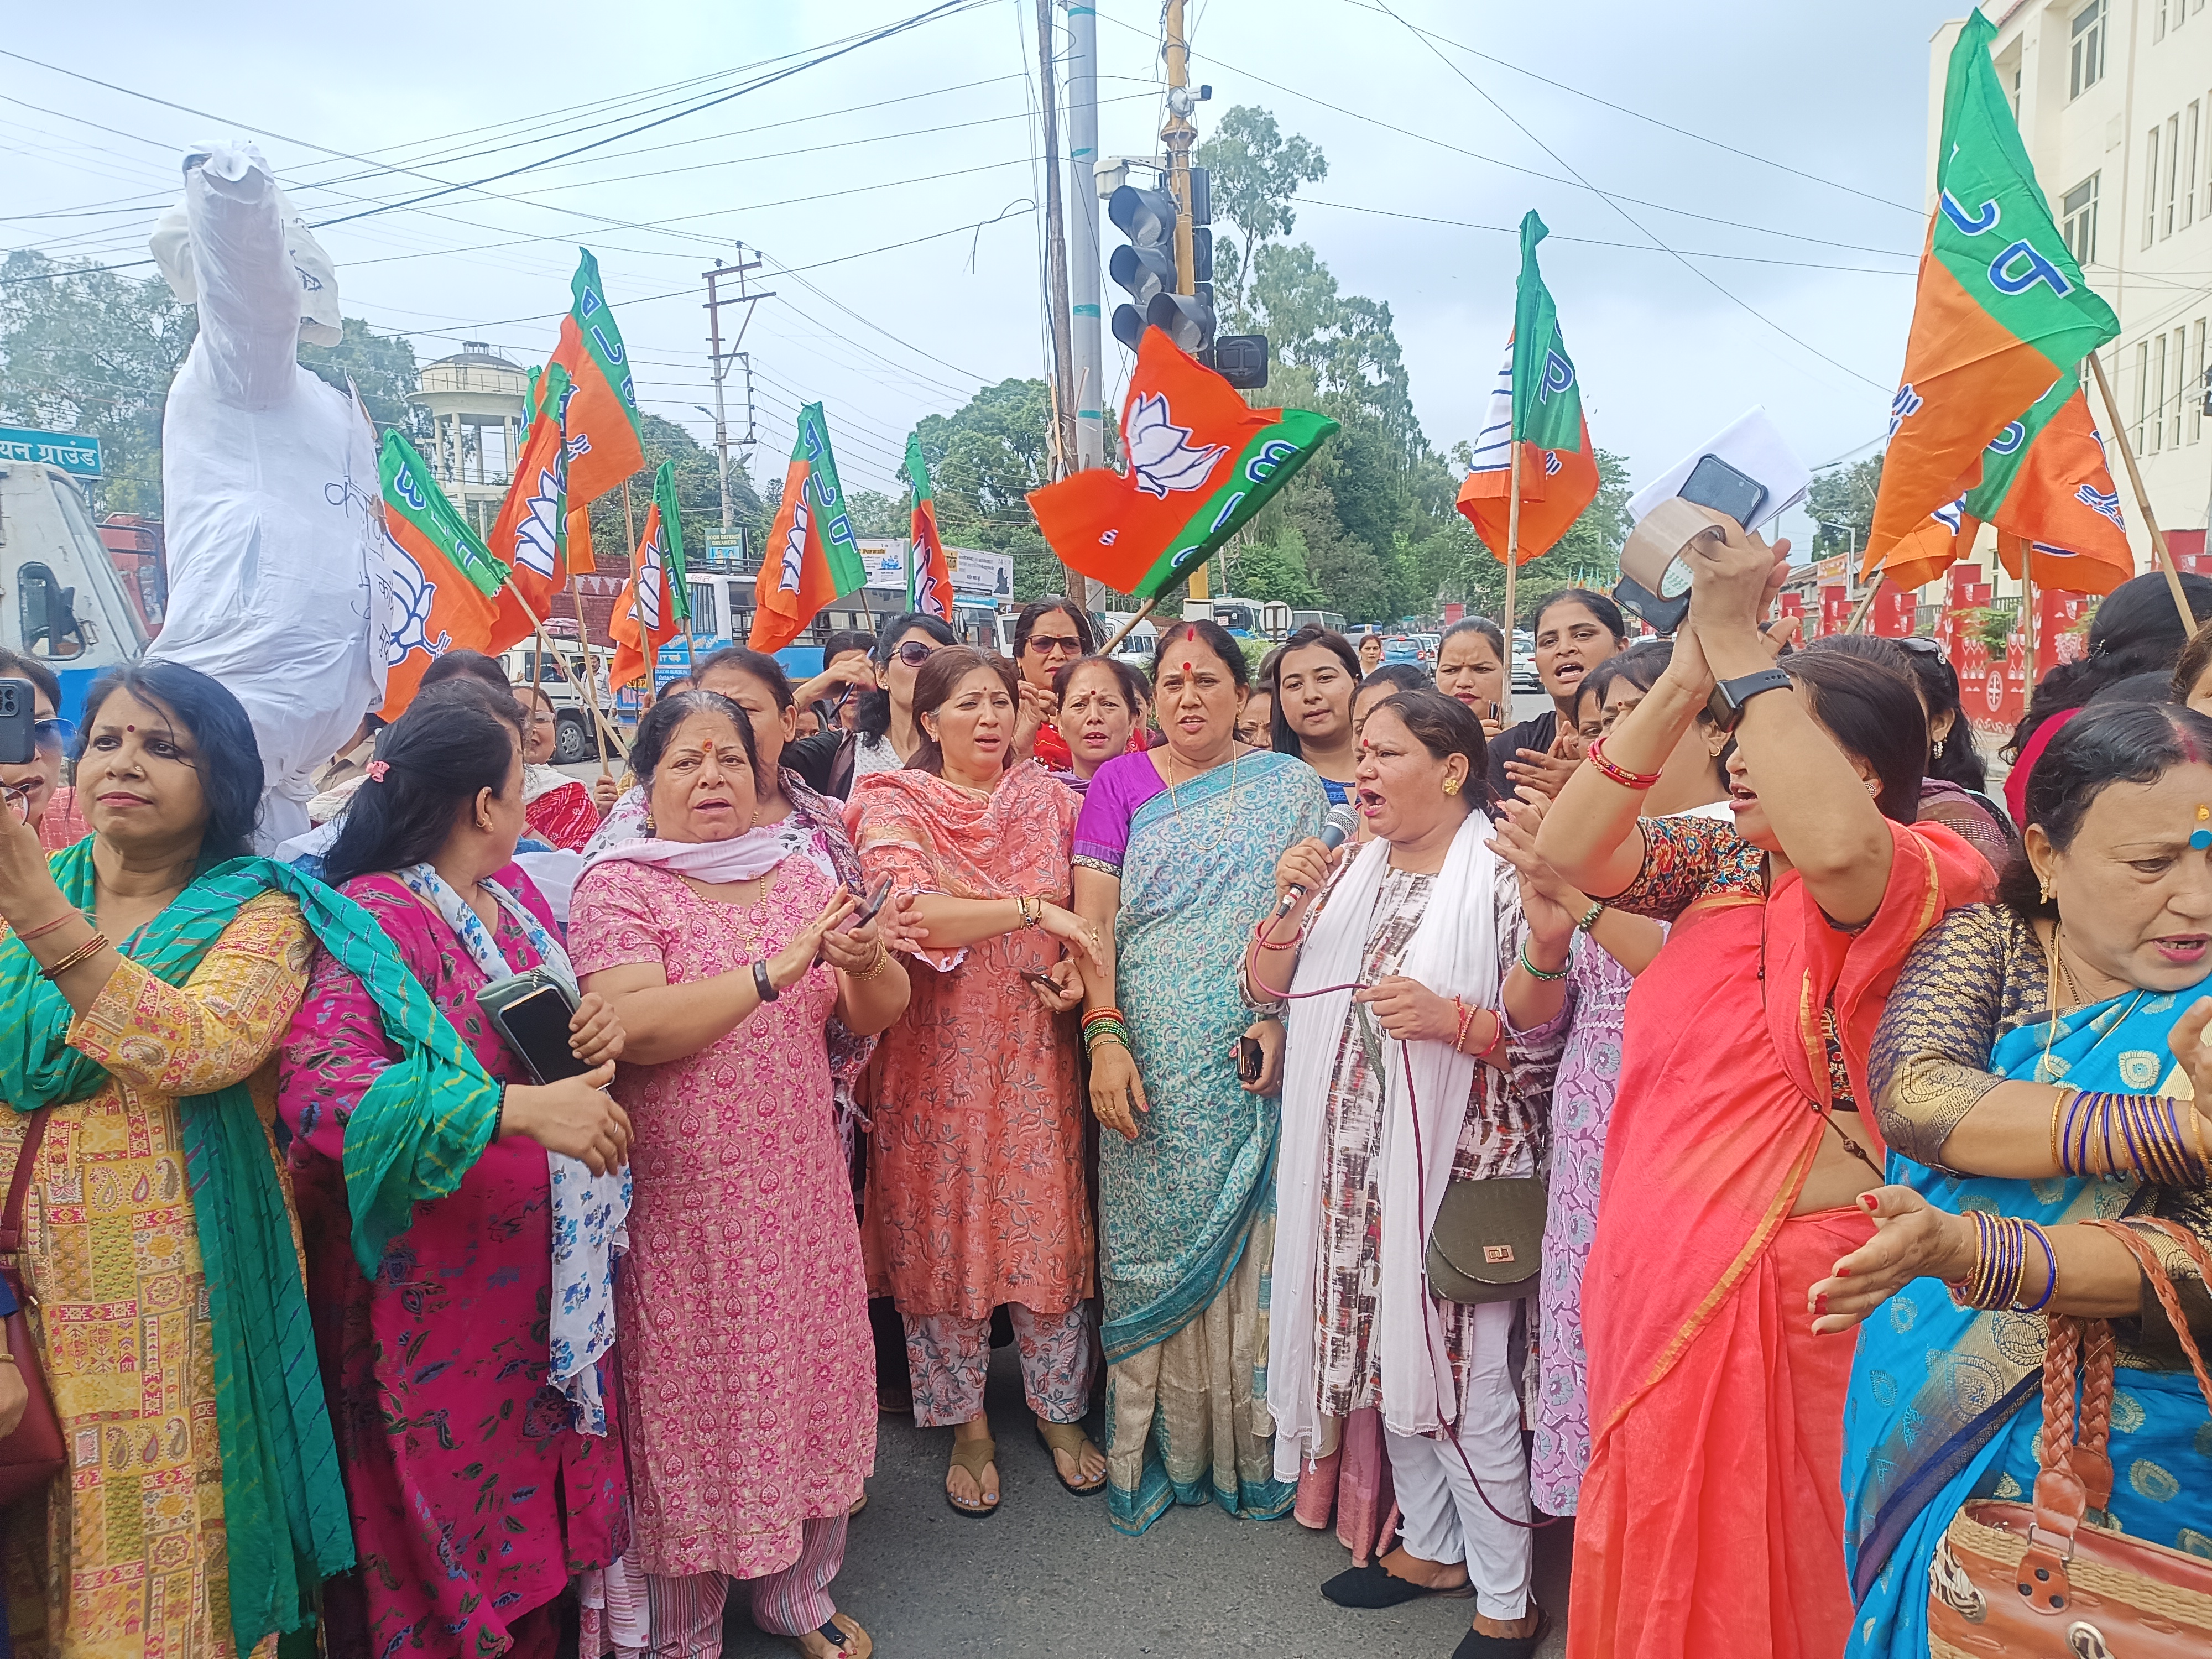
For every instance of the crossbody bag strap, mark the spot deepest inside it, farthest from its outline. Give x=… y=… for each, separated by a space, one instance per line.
x=2162 y=1283
x=26 y=1161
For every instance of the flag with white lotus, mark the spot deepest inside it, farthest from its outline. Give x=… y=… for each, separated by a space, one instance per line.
x=1201 y=461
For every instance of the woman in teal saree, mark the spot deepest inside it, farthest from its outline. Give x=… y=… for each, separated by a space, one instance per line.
x=1175 y=859
x=2089 y=975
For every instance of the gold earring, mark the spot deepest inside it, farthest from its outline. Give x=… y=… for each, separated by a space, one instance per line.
x=1451 y=785
x=2045 y=885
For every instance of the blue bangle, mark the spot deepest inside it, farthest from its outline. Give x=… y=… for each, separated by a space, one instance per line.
x=2050 y=1257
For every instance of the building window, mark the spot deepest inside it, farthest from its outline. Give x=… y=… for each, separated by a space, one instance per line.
x=2142 y=390
x=2086 y=65
x=2172 y=173
x=2150 y=187
x=2192 y=394
x=2185 y=159
x=2179 y=395
x=2158 y=20
x=2080 y=226
x=2154 y=427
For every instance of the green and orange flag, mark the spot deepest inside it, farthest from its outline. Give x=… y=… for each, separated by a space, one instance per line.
x=929 y=576
x=2001 y=314
x=443 y=578
x=658 y=600
x=1201 y=462
x=599 y=414
x=529 y=536
x=1536 y=406
x=811 y=555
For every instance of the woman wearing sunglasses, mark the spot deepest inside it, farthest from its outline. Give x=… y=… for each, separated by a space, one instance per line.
x=888 y=736
x=1050 y=632
x=34 y=790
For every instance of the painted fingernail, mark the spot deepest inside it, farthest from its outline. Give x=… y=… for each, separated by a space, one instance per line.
x=1821 y=1304
x=1867 y=1202
x=1843 y=1272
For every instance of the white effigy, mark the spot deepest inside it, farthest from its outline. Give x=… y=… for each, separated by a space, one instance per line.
x=268 y=480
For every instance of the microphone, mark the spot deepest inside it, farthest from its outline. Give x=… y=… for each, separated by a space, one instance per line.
x=1335 y=830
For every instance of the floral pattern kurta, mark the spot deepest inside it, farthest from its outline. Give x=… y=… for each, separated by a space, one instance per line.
x=472 y=1498
x=741 y=1311
x=1501 y=1134
x=129 y=1548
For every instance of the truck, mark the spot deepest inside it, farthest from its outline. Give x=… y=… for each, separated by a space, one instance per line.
x=69 y=610
x=1247 y=619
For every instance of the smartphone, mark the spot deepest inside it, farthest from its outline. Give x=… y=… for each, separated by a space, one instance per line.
x=866 y=913
x=1044 y=983
x=18 y=714
x=1251 y=1058
x=531 y=1013
x=1714 y=483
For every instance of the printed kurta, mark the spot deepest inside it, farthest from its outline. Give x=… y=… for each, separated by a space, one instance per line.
x=558 y=810
x=472 y=1498
x=129 y=1548
x=741 y=1311
x=975 y=1166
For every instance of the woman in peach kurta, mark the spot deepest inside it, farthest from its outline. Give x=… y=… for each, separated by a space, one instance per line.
x=976 y=1194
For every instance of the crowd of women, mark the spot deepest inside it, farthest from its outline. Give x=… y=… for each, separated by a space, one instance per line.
x=1700 y=1111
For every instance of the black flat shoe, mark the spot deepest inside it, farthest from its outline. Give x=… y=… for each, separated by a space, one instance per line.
x=1372 y=1586
x=1475 y=1645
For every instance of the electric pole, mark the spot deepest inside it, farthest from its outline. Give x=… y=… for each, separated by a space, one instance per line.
x=719 y=359
x=1177 y=136
x=1086 y=323
x=1055 y=267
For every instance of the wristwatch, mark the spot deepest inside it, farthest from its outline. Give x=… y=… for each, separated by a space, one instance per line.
x=1726 y=705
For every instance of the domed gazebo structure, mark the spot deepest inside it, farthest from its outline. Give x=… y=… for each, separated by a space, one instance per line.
x=469 y=396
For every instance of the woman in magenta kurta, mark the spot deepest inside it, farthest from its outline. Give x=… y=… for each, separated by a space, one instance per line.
x=473 y=1500
x=741 y=1311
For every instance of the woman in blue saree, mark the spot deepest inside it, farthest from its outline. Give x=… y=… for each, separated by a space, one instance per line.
x=2016 y=1032
x=1175 y=859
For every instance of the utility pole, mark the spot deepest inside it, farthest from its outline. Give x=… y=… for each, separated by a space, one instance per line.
x=1177 y=136
x=719 y=360
x=1086 y=320
x=1055 y=267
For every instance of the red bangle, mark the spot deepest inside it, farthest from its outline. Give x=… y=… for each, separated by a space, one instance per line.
x=1620 y=774
x=47 y=928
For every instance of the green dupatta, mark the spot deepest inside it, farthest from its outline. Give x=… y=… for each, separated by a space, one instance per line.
x=284 y=1507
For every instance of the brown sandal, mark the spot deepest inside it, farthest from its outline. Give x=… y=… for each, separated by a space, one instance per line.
x=975 y=1457
x=1069 y=1438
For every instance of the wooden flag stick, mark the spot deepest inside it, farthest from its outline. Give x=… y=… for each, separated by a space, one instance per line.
x=1123 y=631
x=537 y=622
x=1866 y=605
x=590 y=671
x=1512 y=557
x=2142 y=500
x=2028 y=609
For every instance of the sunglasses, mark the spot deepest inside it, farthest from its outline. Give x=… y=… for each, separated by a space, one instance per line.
x=1045 y=644
x=53 y=734
x=914 y=653
x=1920 y=646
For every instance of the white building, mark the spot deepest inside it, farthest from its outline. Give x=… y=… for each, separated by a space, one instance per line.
x=2114 y=99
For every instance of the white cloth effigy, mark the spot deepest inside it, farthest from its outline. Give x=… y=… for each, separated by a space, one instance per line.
x=269 y=483
x=1454 y=952
x=589 y=1211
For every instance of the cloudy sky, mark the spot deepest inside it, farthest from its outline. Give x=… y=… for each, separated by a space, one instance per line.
x=1792 y=290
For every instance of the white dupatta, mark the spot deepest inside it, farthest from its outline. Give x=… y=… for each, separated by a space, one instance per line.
x=1454 y=952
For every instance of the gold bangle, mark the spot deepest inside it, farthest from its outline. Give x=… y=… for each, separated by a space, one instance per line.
x=92 y=947
x=882 y=956
x=2066 y=1092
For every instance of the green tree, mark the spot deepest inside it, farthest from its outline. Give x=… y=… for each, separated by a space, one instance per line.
x=875 y=514
x=381 y=368
x=983 y=460
x=87 y=351
x=1273 y=571
x=1254 y=172
x=698 y=497
x=1844 y=497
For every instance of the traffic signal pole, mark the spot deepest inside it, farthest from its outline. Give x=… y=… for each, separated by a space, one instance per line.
x=1176 y=138
x=1086 y=314
x=1055 y=266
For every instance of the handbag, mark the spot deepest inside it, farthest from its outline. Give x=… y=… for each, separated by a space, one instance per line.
x=2028 y=1580
x=32 y=1455
x=1487 y=1244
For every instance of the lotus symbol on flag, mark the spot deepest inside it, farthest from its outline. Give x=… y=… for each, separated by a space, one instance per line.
x=647 y=604
x=413 y=595
x=536 y=545
x=1161 y=456
x=794 y=545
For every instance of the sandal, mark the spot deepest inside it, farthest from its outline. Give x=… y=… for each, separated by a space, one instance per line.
x=975 y=1457
x=1374 y=1586
x=1475 y=1645
x=1069 y=1438
x=842 y=1636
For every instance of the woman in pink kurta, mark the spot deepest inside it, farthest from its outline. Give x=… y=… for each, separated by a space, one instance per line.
x=473 y=1499
x=741 y=1309
x=976 y=1172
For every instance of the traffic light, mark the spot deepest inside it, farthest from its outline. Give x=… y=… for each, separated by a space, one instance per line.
x=1145 y=264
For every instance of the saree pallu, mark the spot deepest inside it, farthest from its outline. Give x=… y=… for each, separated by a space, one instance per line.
x=1709 y=1520
x=1187 y=1209
x=1945 y=1403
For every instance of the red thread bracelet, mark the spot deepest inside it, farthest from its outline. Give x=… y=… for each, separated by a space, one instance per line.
x=1639 y=781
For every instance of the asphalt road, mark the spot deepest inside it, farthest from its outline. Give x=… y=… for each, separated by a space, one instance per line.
x=1046 y=1574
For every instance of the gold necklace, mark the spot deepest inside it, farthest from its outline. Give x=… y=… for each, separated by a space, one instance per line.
x=1174 y=802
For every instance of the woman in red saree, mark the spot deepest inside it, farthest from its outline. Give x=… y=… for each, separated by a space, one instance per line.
x=1712 y=1514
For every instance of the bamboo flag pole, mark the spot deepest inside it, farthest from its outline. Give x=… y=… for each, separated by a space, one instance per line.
x=591 y=670
x=538 y=623
x=1512 y=555
x=2142 y=500
x=1124 y=630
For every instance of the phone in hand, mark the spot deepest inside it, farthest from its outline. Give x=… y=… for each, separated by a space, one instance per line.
x=869 y=907
x=1716 y=485
x=1251 y=1058
x=18 y=716
x=1044 y=983
x=531 y=1013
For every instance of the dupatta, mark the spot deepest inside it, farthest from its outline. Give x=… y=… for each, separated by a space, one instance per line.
x=1453 y=951
x=1945 y=1403
x=414 y=1135
x=1724 y=1089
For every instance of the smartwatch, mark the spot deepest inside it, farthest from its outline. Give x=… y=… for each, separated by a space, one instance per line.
x=1726 y=705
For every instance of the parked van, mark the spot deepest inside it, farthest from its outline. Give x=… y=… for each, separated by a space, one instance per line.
x=70 y=610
